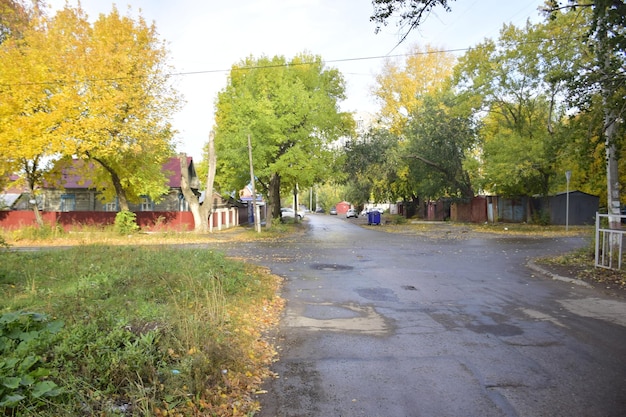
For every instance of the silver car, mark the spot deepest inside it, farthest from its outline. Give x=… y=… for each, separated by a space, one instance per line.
x=290 y=213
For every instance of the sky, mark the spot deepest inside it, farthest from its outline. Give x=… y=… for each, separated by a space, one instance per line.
x=206 y=37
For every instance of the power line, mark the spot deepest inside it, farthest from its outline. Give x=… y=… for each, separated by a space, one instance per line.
x=243 y=68
x=252 y=67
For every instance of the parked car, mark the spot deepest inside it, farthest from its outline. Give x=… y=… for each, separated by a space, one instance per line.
x=319 y=210
x=290 y=213
x=352 y=213
x=333 y=211
x=369 y=210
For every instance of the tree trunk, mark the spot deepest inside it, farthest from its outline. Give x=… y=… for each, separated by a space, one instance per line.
x=117 y=184
x=274 y=196
x=295 y=203
x=33 y=176
x=38 y=217
x=207 y=206
x=603 y=58
x=200 y=221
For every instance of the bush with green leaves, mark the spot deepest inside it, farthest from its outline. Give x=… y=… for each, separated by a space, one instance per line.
x=26 y=374
x=126 y=222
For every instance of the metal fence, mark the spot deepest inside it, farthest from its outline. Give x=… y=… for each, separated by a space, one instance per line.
x=609 y=243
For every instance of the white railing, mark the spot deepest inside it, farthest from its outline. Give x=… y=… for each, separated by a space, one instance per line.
x=609 y=243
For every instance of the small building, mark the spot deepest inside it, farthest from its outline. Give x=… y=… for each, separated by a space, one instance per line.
x=342 y=207
x=69 y=199
x=70 y=191
x=246 y=211
x=582 y=208
x=14 y=196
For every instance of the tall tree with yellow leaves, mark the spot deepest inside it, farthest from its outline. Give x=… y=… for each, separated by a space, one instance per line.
x=97 y=92
x=31 y=99
x=121 y=107
x=401 y=86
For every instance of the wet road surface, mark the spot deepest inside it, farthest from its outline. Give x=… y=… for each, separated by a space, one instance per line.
x=380 y=324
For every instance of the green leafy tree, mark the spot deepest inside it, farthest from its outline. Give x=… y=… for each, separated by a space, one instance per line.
x=601 y=74
x=439 y=141
x=508 y=79
x=290 y=111
x=370 y=165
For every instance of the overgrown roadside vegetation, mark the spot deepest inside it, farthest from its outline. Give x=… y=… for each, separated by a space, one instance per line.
x=116 y=327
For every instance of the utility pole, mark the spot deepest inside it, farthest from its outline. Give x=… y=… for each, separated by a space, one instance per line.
x=255 y=216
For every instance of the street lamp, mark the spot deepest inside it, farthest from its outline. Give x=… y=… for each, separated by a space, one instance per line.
x=568 y=175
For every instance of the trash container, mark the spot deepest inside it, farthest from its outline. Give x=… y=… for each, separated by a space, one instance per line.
x=373 y=217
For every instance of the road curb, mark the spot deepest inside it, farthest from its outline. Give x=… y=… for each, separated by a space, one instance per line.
x=532 y=265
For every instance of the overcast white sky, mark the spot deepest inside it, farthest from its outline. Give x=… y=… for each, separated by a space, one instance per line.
x=206 y=37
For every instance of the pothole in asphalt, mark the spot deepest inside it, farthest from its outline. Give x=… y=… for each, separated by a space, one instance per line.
x=331 y=267
x=377 y=294
x=409 y=288
x=496 y=329
x=363 y=319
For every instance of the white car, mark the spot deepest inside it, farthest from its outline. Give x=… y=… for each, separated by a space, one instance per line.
x=290 y=213
x=369 y=210
x=352 y=213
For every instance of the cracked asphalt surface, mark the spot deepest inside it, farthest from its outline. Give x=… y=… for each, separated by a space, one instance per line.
x=393 y=325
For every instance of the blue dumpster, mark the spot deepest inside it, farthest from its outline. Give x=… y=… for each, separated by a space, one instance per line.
x=373 y=217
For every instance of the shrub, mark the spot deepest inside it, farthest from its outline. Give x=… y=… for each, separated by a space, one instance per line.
x=541 y=218
x=126 y=222
x=397 y=219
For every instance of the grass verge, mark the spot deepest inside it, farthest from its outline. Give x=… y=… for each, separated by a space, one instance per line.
x=115 y=330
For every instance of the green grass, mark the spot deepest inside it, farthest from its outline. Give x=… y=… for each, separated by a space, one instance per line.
x=145 y=329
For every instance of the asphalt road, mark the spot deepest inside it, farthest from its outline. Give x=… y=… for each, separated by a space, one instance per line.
x=380 y=324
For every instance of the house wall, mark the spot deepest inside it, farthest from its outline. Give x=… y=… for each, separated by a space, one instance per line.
x=89 y=200
x=85 y=200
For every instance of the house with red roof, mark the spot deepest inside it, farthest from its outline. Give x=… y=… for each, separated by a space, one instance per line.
x=68 y=190
x=68 y=198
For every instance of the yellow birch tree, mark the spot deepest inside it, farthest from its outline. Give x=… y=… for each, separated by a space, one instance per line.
x=32 y=99
x=121 y=108
x=401 y=86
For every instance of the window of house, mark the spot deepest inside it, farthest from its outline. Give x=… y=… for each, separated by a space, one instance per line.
x=146 y=203
x=112 y=206
x=68 y=202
